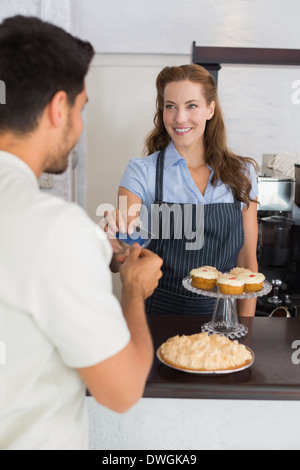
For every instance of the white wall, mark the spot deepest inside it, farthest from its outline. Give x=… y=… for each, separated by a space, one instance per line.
x=135 y=39
x=181 y=424
x=257 y=105
x=170 y=26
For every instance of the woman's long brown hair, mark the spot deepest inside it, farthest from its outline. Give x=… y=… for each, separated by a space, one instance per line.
x=228 y=167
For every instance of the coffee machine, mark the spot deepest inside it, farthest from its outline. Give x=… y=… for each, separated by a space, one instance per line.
x=279 y=240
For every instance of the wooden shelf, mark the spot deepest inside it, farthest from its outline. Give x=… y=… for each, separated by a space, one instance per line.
x=215 y=56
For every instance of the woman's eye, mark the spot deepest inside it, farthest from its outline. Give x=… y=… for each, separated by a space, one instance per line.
x=170 y=106
x=192 y=106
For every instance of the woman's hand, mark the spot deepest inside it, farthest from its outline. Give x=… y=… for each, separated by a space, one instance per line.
x=112 y=224
x=123 y=221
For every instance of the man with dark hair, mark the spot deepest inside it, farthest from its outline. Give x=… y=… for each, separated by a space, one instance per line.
x=62 y=328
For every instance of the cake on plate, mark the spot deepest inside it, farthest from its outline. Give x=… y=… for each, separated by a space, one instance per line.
x=204 y=352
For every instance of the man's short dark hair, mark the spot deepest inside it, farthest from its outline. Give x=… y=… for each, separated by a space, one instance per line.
x=38 y=59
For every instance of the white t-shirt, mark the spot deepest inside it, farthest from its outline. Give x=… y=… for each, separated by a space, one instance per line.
x=57 y=313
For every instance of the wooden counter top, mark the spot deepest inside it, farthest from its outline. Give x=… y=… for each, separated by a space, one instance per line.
x=273 y=376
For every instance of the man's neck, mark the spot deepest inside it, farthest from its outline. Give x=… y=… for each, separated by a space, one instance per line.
x=23 y=147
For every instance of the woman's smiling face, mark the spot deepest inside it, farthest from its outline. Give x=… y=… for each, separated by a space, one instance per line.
x=185 y=113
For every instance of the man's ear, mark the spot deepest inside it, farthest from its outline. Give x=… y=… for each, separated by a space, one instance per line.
x=58 y=108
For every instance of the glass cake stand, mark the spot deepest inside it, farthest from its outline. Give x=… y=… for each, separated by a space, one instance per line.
x=225 y=317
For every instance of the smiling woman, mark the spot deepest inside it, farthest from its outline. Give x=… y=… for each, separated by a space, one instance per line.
x=185 y=118
x=198 y=86
x=188 y=163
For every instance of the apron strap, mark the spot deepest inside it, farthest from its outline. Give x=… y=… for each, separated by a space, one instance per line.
x=159 y=177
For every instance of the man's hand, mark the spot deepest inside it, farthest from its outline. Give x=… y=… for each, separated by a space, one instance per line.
x=141 y=271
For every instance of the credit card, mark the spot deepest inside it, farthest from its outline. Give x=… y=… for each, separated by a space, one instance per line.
x=140 y=236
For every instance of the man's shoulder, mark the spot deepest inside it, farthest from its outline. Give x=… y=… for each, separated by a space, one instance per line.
x=68 y=224
x=53 y=209
x=50 y=221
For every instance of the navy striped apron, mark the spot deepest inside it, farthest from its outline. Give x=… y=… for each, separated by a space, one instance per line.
x=222 y=242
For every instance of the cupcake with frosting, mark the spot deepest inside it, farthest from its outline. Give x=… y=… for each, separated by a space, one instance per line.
x=253 y=281
x=204 y=277
x=236 y=271
x=230 y=285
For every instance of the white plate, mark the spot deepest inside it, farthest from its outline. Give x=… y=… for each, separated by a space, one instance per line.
x=201 y=372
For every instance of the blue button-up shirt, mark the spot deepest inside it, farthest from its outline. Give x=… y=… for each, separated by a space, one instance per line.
x=179 y=186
